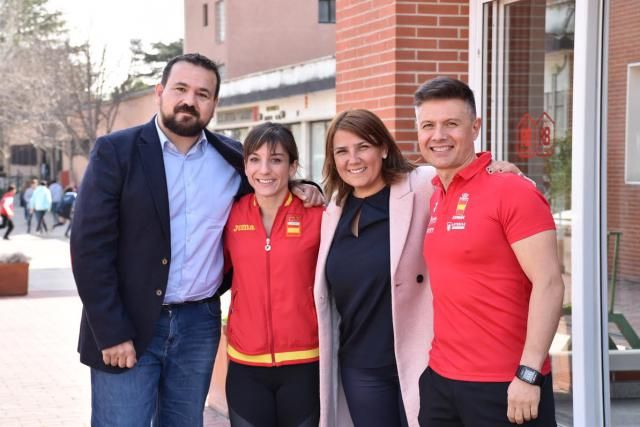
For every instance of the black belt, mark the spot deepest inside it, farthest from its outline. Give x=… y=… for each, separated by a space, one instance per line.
x=200 y=301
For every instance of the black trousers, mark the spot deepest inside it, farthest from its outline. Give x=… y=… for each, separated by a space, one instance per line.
x=452 y=403
x=285 y=396
x=373 y=396
x=8 y=223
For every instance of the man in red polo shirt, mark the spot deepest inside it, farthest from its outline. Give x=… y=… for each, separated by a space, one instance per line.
x=490 y=248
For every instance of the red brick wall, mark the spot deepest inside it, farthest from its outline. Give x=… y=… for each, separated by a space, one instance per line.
x=623 y=200
x=386 y=48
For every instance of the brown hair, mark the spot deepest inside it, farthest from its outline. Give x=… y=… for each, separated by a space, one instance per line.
x=271 y=134
x=369 y=127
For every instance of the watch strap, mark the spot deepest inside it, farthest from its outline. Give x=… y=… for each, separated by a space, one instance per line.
x=529 y=375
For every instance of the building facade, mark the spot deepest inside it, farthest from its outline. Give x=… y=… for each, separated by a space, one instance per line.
x=277 y=64
x=251 y=36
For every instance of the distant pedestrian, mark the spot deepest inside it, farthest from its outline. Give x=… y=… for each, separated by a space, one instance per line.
x=27 y=193
x=6 y=210
x=56 y=198
x=40 y=204
x=64 y=213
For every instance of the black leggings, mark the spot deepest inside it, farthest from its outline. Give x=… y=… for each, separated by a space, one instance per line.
x=373 y=396
x=285 y=396
x=8 y=223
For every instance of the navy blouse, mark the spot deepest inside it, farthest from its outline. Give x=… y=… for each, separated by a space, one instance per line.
x=358 y=275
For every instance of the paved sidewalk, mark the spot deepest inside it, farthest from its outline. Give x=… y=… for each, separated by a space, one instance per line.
x=42 y=382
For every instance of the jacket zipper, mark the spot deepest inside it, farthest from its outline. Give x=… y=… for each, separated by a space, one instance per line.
x=267 y=248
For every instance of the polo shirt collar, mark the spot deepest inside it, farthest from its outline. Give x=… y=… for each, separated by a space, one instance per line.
x=483 y=159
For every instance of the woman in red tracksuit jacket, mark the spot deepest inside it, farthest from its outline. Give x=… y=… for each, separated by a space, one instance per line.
x=271 y=242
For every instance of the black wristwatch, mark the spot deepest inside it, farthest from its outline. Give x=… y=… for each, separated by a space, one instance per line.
x=529 y=375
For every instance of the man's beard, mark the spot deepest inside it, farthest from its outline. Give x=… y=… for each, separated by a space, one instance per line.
x=183 y=129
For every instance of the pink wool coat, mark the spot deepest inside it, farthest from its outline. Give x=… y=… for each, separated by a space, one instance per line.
x=411 y=299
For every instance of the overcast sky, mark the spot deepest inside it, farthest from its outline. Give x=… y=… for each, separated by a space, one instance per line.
x=112 y=23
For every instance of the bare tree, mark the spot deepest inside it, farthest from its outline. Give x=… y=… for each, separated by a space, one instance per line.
x=27 y=30
x=55 y=93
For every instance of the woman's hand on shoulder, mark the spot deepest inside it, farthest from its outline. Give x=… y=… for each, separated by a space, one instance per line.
x=309 y=194
x=502 y=166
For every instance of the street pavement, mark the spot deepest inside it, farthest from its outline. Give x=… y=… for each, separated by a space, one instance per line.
x=42 y=382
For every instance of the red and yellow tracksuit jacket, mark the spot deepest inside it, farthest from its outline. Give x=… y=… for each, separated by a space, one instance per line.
x=272 y=318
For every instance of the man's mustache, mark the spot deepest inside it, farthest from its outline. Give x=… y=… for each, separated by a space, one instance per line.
x=184 y=108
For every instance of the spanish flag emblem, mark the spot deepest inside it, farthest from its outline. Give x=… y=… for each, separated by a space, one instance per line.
x=294 y=225
x=462 y=204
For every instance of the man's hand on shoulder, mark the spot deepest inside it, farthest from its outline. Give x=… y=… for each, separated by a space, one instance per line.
x=523 y=400
x=122 y=355
x=308 y=193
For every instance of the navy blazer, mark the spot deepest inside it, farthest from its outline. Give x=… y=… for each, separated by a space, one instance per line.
x=120 y=239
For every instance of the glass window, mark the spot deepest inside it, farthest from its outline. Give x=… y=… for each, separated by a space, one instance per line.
x=527 y=94
x=326 y=11
x=296 y=130
x=25 y=155
x=205 y=15
x=221 y=24
x=318 y=133
x=632 y=156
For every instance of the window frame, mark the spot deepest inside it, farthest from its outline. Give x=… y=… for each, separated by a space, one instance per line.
x=220 y=21
x=205 y=14
x=632 y=127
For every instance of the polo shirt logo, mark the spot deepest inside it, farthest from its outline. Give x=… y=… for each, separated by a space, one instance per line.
x=456 y=226
x=294 y=226
x=460 y=208
x=244 y=227
x=432 y=223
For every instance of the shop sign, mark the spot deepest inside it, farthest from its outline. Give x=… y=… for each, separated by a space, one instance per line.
x=240 y=115
x=535 y=138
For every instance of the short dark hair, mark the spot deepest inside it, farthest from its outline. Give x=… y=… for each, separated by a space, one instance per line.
x=195 y=59
x=271 y=134
x=43 y=182
x=11 y=187
x=445 y=88
x=366 y=125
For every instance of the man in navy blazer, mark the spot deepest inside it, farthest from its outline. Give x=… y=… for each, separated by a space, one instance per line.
x=147 y=254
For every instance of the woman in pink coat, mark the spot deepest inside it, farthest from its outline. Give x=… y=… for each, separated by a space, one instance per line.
x=371 y=290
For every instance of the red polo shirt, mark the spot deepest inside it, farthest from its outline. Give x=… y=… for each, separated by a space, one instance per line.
x=480 y=293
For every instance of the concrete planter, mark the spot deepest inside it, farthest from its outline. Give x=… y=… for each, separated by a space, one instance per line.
x=14 y=279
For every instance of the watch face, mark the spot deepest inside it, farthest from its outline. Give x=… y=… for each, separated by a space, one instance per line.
x=528 y=375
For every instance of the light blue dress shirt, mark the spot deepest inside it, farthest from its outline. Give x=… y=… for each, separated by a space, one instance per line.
x=201 y=186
